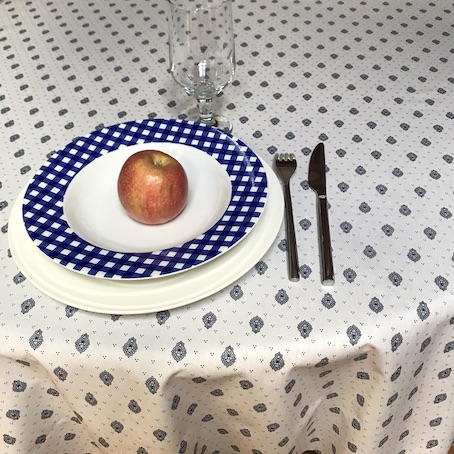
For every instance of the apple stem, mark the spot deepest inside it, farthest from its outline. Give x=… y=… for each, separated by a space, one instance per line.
x=206 y=116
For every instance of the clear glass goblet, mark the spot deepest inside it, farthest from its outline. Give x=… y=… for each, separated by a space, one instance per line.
x=202 y=52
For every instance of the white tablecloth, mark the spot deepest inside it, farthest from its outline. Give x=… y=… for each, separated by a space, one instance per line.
x=265 y=365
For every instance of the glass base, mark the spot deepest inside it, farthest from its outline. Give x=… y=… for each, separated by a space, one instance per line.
x=192 y=114
x=220 y=122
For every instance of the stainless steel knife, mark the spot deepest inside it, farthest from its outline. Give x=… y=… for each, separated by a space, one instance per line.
x=317 y=181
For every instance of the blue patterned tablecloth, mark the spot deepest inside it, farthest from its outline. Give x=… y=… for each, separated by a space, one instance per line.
x=265 y=365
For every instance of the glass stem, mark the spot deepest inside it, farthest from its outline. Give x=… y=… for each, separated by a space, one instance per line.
x=206 y=116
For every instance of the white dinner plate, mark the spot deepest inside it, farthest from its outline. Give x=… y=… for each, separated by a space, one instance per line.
x=93 y=210
x=145 y=296
x=44 y=207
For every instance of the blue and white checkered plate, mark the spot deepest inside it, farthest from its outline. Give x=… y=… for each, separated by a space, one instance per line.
x=46 y=213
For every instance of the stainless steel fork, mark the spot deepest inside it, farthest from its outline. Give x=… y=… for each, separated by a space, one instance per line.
x=285 y=165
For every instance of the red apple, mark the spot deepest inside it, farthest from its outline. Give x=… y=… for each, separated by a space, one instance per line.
x=152 y=187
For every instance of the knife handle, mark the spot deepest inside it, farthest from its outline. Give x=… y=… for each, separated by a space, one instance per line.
x=292 y=254
x=327 y=269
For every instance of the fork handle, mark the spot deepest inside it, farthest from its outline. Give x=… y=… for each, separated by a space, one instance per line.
x=327 y=268
x=292 y=254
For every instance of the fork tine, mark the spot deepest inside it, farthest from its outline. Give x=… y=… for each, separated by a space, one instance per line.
x=286 y=157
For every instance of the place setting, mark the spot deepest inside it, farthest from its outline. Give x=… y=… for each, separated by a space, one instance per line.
x=153 y=214
x=91 y=231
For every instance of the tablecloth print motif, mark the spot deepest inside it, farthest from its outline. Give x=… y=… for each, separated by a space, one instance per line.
x=388 y=69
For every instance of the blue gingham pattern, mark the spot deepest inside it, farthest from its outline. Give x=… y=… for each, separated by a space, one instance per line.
x=43 y=202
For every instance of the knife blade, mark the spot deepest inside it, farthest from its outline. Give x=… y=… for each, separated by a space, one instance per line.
x=317 y=181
